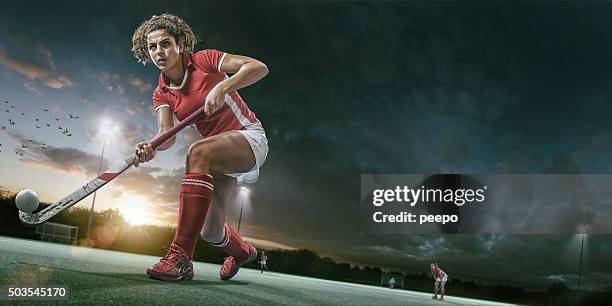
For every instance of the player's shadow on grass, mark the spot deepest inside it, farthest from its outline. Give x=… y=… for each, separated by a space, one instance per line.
x=146 y=279
x=92 y=280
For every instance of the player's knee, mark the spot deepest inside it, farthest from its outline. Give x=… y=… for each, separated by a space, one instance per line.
x=199 y=153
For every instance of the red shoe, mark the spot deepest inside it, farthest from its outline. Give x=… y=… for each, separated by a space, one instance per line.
x=173 y=267
x=230 y=266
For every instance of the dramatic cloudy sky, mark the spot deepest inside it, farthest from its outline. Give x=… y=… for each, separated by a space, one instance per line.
x=354 y=87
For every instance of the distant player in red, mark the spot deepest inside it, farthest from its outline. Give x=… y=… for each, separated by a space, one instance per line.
x=233 y=145
x=440 y=278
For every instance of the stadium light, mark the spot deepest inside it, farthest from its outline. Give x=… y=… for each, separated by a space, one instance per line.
x=583 y=236
x=108 y=129
x=244 y=193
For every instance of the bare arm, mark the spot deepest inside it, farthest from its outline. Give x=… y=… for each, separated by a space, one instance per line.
x=246 y=71
x=165 y=121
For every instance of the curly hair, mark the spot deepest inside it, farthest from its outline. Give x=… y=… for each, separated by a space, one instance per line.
x=175 y=26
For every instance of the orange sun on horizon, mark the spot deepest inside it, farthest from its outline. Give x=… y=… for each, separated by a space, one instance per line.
x=135 y=210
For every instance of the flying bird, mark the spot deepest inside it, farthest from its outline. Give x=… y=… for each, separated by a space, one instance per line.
x=56 y=119
x=24 y=146
x=7 y=111
x=69 y=135
x=22 y=113
x=36 y=119
x=46 y=110
x=38 y=127
x=4 y=127
x=48 y=125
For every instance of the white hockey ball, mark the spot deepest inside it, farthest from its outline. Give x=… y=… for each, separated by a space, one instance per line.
x=26 y=200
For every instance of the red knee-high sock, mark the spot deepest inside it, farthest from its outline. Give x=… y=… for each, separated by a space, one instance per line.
x=195 y=198
x=233 y=245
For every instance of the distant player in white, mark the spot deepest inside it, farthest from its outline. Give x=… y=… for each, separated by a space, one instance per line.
x=440 y=277
x=392 y=283
x=263 y=261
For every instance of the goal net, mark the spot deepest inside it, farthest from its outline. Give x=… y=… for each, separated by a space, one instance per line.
x=392 y=280
x=56 y=232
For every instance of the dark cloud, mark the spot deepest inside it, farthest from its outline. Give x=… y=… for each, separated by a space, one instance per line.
x=36 y=70
x=66 y=160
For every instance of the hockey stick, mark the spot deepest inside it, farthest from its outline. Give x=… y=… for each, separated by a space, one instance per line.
x=103 y=178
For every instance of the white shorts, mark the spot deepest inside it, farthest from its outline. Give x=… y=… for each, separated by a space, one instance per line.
x=442 y=280
x=256 y=136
